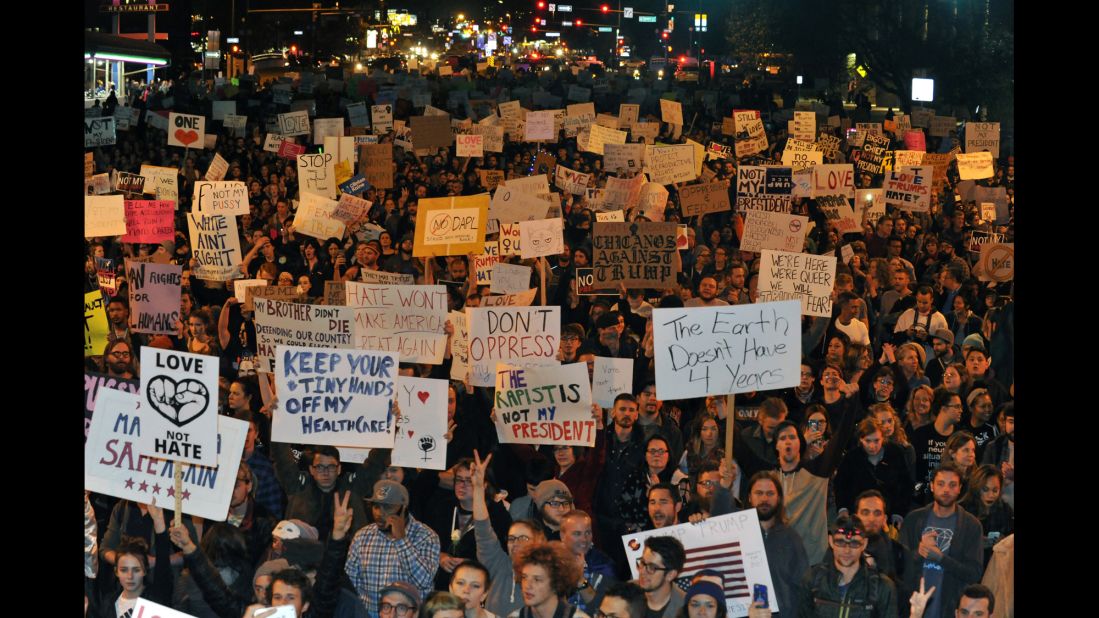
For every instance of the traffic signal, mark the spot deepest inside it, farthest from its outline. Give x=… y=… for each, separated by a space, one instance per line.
x=605 y=8
x=534 y=28
x=541 y=4
x=579 y=23
x=664 y=35
x=293 y=49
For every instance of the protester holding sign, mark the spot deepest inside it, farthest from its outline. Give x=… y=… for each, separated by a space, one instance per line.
x=119 y=590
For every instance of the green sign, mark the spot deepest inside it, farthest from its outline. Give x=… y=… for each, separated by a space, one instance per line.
x=646 y=19
x=606 y=29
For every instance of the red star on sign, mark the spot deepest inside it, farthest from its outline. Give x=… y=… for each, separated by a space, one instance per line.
x=129 y=483
x=143 y=486
x=186 y=494
x=795 y=225
x=171 y=492
x=156 y=489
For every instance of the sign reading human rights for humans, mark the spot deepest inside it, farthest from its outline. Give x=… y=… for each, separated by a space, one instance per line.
x=281 y=323
x=803 y=276
x=724 y=350
x=519 y=335
x=333 y=396
x=154 y=297
x=409 y=319
x=179 y=406
x=544 y=405
x=114 y=466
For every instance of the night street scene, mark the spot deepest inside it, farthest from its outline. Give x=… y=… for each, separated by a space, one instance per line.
x=512 y=308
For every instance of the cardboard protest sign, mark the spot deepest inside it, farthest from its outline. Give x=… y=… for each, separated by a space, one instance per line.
x=838 y=214
x=273 y=142
x=292 y=124
x=981 y=136
x=93 y=384
x=610 y=216
x=217 y=168
x=524 y=299
x=873 y=154
x=492 y=138
x=242 y=294
x=335 y=292
x=612 y=377
x=161 y=182
x=941 y=126
x=316 y=217
x=350 y=208
x=381 y=118
x=469 y=145
x=833 y=179
x=764 y=188
x=570 y=181
x=628 y=114
x=544 y=405
x=431 y=132
x=645 y=130
x=730 y=544
x=584 y=281
x=997 y=262
x=803 y=276
x=510 y=278
x=975 y=166
x=622 y=193
x=490 y=179
x=376 y=164
x=799 y=160
x=510 y=239
x=315 y=326
x=405 y=319
x=671 y=112
x=220 y=198
x=337 y=397
x=179 y=406
x=774 y=230
x=519 y=335
x=459 y=346
x=186 y=130
x=642 y=255
x=704 y=198
x=154 y=292
x=542 y=237
x=104 y=215
x=652 y=201
x=703 y=351
x=215 y=246
x=451 y=225
x=670 y=164
x=420 y=435
x=907 y=158
x=317 y=174
x=482 y=264
x=113 y=465
x=99 y=132
x=598 y=136
x=149 y=221
x=805 y=125
x=910 y=188
x=629 y=157
x=750 y=137
x=284 y=293
x=539 y=126
x=96 y=326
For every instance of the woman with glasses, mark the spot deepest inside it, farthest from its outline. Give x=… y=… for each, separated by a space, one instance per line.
x=633 y=502
x=547 y=574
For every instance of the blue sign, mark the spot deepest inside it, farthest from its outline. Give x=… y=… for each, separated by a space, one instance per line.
x=355 y=185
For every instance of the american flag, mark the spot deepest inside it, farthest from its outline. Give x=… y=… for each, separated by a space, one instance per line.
x=722 y=557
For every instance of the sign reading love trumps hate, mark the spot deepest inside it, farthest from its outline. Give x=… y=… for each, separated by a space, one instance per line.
x=179 y=406
x=544 y=405
x=334 y=397
x=726 y=350
x=114 y=466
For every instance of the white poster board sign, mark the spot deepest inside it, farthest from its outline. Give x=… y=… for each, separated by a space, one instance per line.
x=420 y=438
x=544 y=405
x=803 y=276
x=613 y=376
x=518 y=335
x=408 y=320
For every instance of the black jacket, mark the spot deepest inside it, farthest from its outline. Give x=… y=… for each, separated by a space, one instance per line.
x=869 y=595
x=890 y=476
x=108 y=587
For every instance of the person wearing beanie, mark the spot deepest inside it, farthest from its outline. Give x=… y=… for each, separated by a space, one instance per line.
x=843 y=584
x=977 y=418
x=261 y=581
x=704 y=599
x=553 y=500
x=943 y=354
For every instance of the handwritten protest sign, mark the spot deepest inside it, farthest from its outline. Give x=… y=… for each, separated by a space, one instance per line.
x=420 y=435
x=381 y=118
x=629 y=157
x=997 y=262
x=107 y=278
x=161 y=182
x=833 y=179
x=241 y=291
x=522 y=336
x=610 y=215
x=838 y=214
x=114 y=467
x=628 y=114
x=215 y=198
x=326 y=127
x=469 y=145
x=799 y=160
x=652 y=201
x=186 y=130
x=317 y=174
x=431 y=132
x=93 y=384
x=544 y=405
x=523 y=299
x=941 y=126
x=542 y=237
x=217 y=168
x=910 y=188
x=236 y=124
x=376 y=164
x=704 y=198
x=292 y=124
x=724 y=350
x=316 y=217
x=337 y=397
x=149 y=221
x=750 y=136
x=451 y=225
x=483 y=263
x=99 y=132
x=599 y=136
x=670 y=164
x=805 y=125
x=907 y=158
x=407 y=319
x=975 y=166
x=764 y=188
x=273 y=142
x=671 y=112
x=492 y=138
x=570 y=181
x=612 y=377
x=623 y=193
x=154 y=297
x=730 y=544
x=104 y=215
x=316 y=326
x=96 y=327
x=490 y=179
x=215 y=246
x=873 y=154
x=774 y=230
x=459 y=346
x=806 y=277
x=980 y=136
x=510 y=278
x=335 y=292
x=640 y=255
x=539 y=126
x=179 y=406
x=645 y=130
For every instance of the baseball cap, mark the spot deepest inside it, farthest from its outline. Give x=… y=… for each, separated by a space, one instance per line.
x=550 y=490
x=389 y=493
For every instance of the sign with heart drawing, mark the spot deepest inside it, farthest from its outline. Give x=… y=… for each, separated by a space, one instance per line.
x=179 y=395
x=186 y=130
x=421 y=430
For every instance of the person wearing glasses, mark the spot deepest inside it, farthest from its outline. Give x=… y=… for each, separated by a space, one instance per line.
x=713 y=493
x=844 y=584
x=634 y=502
x=503 y=598
x=119 y=360
x=547 y=574
x=930 y=440
x=396 y=547
x=657 y=569
x=401 y=600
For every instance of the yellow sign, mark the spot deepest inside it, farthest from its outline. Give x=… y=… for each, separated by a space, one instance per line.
x=96 y=327
x=451 y=225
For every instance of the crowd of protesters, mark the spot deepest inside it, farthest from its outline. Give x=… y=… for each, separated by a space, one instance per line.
x=883 y=482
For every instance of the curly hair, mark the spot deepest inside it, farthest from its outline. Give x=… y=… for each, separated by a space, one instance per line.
x=561 y=566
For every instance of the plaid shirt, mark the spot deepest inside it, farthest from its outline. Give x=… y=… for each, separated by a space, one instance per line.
x=376 y=560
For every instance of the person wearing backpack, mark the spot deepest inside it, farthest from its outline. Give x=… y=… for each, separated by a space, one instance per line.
x=846 y=586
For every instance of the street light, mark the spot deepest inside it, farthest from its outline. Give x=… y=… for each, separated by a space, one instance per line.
x=605 y=8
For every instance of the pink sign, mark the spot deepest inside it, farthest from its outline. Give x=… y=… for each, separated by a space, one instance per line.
x=914 y=140
x=149 y=221
x=290 y=150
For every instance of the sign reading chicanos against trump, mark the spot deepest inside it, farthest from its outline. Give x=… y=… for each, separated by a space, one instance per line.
x=725 y=350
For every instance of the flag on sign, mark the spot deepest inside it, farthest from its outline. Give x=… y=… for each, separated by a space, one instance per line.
x=724 y=558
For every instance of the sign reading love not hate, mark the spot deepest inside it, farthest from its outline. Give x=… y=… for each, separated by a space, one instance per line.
x=113 y=465
x=335 y=397
x=420 y=440
x=179 y=406
x=544 y=405
x=186 y=131
x=451 y=225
